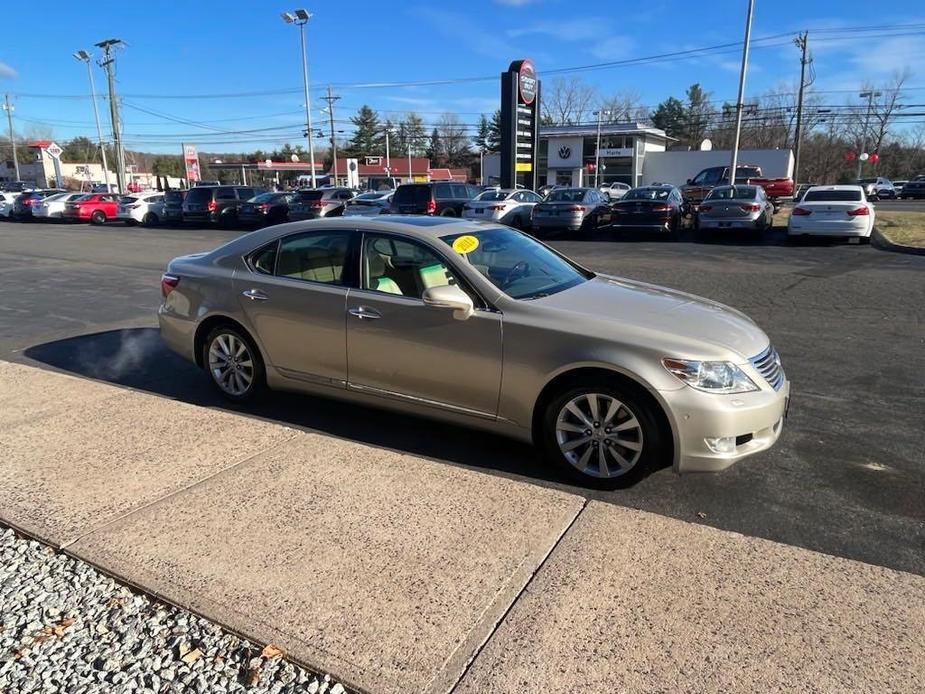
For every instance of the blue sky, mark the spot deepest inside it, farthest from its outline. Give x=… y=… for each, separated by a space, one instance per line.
x=202 y=48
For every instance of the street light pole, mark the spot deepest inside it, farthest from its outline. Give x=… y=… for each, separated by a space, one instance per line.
x=597 y=150
x=739 y=100
x=108 y=63
x=8 y=107
x=801 y=42
x=870 y=101
x=300 y=17
x=330 y=98
x=85 y=57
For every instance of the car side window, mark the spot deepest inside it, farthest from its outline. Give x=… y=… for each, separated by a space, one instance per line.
x=443 y=191
x=263 y=260
x=700 y=178
x=225 y=194
x=399 y=266
x=316 y=257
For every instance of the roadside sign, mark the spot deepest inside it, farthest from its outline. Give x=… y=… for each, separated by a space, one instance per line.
x=520 y=98
x=54 y=151
x=191 y=163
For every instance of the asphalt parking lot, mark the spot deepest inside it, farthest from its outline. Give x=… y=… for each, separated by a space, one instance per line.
x=847 y=477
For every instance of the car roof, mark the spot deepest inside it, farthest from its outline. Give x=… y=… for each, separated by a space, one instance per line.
x=839 y=187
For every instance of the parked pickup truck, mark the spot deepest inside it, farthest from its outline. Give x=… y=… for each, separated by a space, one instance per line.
x=698 y=187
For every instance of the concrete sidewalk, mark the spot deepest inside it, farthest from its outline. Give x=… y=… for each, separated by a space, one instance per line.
x=395 y=573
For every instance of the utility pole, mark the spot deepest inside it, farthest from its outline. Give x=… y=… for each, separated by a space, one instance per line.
x=85 y=57
x=739 y=102
x=108 y=63
x=870 y=102
x=597 y=150
x=8 y=107
x=330 y=98
x=802 y=42
x=388 y=158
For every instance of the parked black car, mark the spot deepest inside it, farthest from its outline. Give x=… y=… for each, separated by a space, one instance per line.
x=265 y=209
x=173 y=206
x=442 y=198
x=22 y=206
x=215 y=204
x=319 y=202
x=914 y=190
x=650 y=207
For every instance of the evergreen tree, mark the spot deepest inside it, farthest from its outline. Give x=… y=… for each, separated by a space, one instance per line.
x=411 y=133
x=367 y=135
x=494 y=132
x=481 y=136
x=434 y=149
x=670 y=116
x=698 y=115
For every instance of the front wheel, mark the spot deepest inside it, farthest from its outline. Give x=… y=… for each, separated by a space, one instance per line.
x=98 y=217
x=234 y=364
x=601 y=435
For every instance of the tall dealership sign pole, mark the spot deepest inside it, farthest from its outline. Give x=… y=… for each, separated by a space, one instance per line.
x=520 y=124
x=739 y=100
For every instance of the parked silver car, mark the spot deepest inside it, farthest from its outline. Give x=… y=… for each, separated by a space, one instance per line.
x=609 y=377
x=507 y=206
x=572 y=209
x=735 y=207
x=319 y=202
x=369 y=204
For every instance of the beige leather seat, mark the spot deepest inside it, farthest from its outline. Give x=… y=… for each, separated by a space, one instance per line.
x=376 y=267
x=314 y=264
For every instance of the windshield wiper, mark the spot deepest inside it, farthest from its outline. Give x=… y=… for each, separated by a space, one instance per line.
x=538 y=295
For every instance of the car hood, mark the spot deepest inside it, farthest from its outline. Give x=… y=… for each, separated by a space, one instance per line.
x=633 y=309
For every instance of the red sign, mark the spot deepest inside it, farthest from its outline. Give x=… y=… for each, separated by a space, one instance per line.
x=527 y=82
x=191 y=163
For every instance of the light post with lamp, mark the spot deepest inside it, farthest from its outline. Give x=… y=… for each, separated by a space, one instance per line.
x=300 y=18
x=597 y=150
x=85 y=57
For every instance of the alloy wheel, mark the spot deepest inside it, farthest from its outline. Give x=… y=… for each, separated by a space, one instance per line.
x=231 y=364
x=599 y=435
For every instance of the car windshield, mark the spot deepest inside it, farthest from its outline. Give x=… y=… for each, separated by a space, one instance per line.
x=56 y=196
x=267 y=197
x=516 y=264
x=566 y=195
x=832 y=196
x=308 y=195
x=493 y=195
x=748 y=172
x=371 y=196
x=733 y=193
x=865 y=181
x=647 y=194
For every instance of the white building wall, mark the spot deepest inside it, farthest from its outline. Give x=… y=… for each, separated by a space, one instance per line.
x=677 y=167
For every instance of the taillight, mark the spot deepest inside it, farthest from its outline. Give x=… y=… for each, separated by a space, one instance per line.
x=168 y=283
x=575 y=208
x=859 y=212
x=495 y=208
x=263 y=207
x=212 y=205
x=431 y=207
x=750 y=207
x=29 y=201
x=705 y=208
x=661 y=208
x=801 y=212
x=318 y=204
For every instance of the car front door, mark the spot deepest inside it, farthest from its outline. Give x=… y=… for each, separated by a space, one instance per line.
x=399 y=348
x=294 y=295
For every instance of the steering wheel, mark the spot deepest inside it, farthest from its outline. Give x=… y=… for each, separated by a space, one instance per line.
x=521 y=269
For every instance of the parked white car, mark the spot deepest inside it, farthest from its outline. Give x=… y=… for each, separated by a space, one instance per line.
x=53 y=206
x=832 y=211
x=615 y=190
x=507 y=206
x=141 y=208
x=369 y=204
x=6 y=204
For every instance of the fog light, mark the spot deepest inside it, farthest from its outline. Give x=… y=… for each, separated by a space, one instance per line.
x=723 y=444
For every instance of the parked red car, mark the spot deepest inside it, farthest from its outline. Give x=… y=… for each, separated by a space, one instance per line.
x=95 y=207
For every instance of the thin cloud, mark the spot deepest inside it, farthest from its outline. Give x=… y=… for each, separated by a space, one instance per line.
x=517 y=3
x=570 y=30
x=7 y=72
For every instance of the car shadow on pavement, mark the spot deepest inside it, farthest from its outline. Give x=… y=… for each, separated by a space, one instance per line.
x=137 y=358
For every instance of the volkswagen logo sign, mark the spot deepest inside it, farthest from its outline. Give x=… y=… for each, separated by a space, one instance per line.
x=527 y=82
x=565 y=152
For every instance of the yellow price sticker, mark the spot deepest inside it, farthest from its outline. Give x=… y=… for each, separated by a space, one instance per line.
x=465 y=244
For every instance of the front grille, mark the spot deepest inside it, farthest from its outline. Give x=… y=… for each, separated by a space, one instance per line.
x=768 y=365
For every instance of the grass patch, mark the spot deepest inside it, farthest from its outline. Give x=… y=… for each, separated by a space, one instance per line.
x=903 y=228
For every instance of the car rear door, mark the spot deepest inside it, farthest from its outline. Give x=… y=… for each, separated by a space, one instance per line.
x=294 y=296
x=399 y=348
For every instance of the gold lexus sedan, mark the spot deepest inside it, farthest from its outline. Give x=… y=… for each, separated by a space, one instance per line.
x=481 y=325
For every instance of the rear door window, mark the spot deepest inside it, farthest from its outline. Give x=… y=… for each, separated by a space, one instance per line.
x=245 y=193
x=443 y=191
x=460 y=191
x=316 y=257
x=225 y=194
x=832 y=196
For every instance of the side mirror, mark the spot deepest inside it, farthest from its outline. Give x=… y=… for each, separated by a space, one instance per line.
x=449 y=296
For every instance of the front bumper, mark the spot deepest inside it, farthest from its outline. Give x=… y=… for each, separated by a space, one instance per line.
x=754 y=419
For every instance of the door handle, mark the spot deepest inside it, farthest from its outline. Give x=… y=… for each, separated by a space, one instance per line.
x=254 y=295
x=364 y=313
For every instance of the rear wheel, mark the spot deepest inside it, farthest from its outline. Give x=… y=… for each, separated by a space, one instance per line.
x=98 y=217
x=602 y=435
x=150 y=219
x=234 y=364
x=448 y=212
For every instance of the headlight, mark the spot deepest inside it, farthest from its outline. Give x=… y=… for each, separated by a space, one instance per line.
x=710 y=376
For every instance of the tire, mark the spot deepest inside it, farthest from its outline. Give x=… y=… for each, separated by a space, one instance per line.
x=150 y=219
x=448 y=212
x=98 y=217
x=227 y=340
x=638 y=443
x=130 y=222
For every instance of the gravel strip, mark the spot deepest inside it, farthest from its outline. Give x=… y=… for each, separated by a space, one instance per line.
x=65 y=627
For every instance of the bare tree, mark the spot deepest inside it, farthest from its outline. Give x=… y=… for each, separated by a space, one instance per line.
x=885 y=107
x=623 y=106
x=567 y=101
x=453 y=138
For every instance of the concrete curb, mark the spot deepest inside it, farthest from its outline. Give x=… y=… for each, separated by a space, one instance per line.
x=881 y=242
